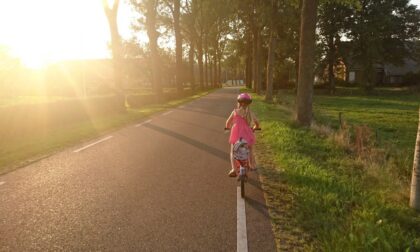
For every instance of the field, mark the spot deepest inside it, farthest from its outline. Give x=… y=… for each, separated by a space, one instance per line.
x=25 y=143
x=324 y=195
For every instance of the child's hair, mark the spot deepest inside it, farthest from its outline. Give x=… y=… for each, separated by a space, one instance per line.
x=247 y=111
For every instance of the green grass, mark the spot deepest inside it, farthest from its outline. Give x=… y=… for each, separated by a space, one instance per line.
x=13 y=100
x=333 y=200
x=6 y=101
x=391 y=114
x=21 y=150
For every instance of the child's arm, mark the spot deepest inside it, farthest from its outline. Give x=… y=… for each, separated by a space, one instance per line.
x=229 y=121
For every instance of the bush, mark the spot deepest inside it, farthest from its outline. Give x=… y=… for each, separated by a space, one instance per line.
x=412 y=79
x=139 y=100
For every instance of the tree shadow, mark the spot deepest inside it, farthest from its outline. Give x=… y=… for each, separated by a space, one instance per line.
x=223 y=155
x=255 y=183
x=260 y=207
x=194 y=124
x=222 y=115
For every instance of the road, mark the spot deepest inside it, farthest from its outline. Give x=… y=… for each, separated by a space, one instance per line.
x=159 y=185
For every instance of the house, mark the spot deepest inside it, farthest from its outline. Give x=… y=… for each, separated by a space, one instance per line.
x=384 y=73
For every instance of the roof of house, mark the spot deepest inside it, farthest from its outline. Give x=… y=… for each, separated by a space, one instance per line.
x=408 y=66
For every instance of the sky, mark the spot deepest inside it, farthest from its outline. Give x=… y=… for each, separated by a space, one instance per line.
x=45 y=31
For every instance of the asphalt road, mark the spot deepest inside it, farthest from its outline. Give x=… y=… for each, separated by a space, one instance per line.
x=160 y=186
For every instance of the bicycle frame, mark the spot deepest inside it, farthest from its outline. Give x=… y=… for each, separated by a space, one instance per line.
x=241 y=164
x=241 y=169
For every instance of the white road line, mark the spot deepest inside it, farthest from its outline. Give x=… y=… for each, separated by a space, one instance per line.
x=241 y=237
x=2 y=183
x=92 y=144
x=167 y=113
x=143 y=123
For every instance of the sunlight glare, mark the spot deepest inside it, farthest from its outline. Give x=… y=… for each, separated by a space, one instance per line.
x=46 y=31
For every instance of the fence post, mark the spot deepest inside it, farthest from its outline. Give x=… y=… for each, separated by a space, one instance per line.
x=415 y=177
x=340 y=119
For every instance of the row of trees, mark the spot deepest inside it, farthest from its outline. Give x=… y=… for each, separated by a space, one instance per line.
x=199 y=29
x=272 y=41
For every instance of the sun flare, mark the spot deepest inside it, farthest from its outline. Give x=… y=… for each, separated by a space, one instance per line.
x=47 y=31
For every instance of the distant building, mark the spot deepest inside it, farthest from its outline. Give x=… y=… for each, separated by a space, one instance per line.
x=384 y=73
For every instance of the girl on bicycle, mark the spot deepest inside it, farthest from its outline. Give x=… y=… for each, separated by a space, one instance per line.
x=242 y=123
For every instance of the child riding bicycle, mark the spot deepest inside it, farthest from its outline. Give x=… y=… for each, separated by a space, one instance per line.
x=242 y=123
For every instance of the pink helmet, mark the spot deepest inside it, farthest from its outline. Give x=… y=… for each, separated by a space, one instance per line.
x=244 y=98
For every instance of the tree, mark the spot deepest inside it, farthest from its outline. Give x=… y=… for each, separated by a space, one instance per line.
x=271 y=52
x=243 y=32
x=151 y=15
x=415 y=179
x=178 y=48
x=256 y=48
x=306 y=62
x=333 y=24
x=188 y=22
x=380 y=31
x=198 y=8
x=111 y=14
x=148 y=10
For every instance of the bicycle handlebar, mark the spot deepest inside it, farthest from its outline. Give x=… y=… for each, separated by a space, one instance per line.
x=252 y=129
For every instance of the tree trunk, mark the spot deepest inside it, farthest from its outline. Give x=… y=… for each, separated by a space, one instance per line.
x=306 y=62
x=217 y=70
x=178 y=43
x=206 y=62
x=214 y=70
x=368 y=77
x=415 y=177
x=248 y=67
x=191 y=61
x=259 y=68
x=151 y=6
x=200 y=62
x=331 y=62
x=111 y=14
x=211 y=71
x=219 y=80
x=270 y=63
x=298 y=49
x=255 y=59
x=248 y=62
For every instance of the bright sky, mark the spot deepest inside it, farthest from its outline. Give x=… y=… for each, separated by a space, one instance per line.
x=43 y=31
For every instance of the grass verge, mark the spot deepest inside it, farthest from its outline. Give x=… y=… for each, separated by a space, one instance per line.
x=26 y=149
x=323 y=197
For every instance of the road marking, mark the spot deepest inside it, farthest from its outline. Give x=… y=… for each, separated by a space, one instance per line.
x=2 y=183
x=241 y=237
x=143 y=123
x=167 y=113
x=92 y=144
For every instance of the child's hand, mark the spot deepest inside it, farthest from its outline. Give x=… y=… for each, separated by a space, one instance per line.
x=255 y=128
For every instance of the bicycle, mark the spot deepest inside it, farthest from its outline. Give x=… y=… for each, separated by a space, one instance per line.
x=240 y=155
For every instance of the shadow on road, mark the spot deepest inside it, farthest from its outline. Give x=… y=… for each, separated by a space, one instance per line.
x=193 y=124
x=215 y=152
x=222 y=115
x=254 y=183
x=260 y=207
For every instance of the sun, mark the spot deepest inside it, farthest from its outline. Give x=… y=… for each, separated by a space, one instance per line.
x=46 y=31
